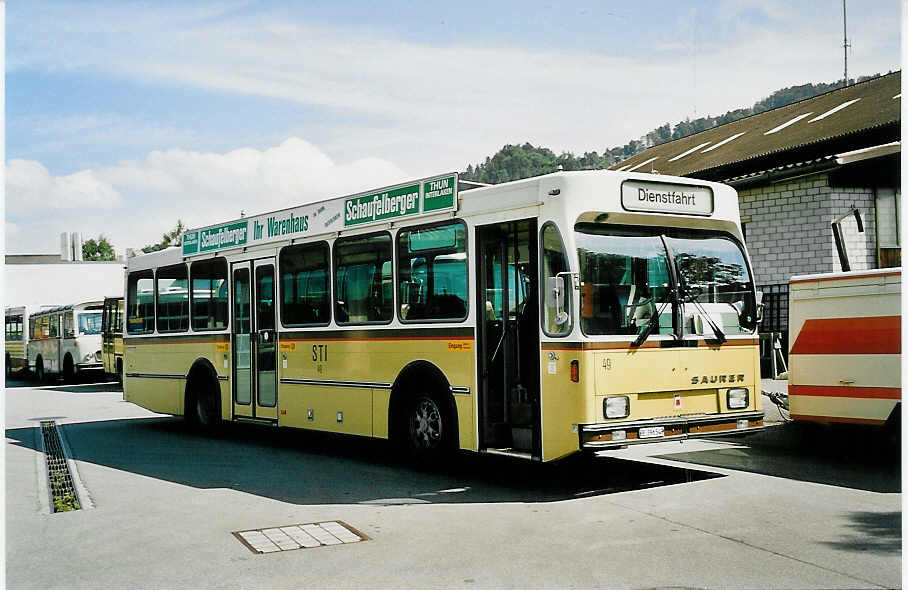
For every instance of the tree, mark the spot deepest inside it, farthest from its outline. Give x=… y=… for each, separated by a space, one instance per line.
x=99 y=249
x=172 y=238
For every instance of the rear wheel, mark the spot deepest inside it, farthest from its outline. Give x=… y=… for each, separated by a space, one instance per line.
x=203 y=411
x=39 y=370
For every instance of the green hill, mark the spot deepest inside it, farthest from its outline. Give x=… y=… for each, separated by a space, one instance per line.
x=513 y=162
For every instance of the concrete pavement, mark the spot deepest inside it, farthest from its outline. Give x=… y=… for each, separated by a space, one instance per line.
x=737 y=513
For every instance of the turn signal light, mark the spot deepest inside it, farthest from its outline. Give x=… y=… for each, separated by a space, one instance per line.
x=575 y=371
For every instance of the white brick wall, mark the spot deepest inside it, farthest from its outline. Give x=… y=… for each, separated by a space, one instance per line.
x=789 y=229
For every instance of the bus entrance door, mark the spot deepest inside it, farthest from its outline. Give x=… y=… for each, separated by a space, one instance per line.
x=508 y=347
x=254 y=341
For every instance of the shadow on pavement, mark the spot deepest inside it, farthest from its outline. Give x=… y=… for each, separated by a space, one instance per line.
x=83 y=385
x=850 y=457
x=875 y=532
x=313 y=468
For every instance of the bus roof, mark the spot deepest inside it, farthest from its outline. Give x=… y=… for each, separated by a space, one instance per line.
x=629 y=197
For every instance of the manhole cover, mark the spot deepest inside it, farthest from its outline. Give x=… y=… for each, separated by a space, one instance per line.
x=299 y=536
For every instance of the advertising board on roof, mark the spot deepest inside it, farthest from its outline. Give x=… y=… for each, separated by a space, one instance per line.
x=421 y=197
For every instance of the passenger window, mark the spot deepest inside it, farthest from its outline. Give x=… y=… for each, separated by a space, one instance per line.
x=362 y=279
x=554 y=262
x=140 y=302
x=209 y=294
x=173 y=298
x=304 y=285
x=432 y=272
x=68 y=330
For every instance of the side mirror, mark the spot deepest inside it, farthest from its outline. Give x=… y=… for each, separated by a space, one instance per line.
x=760 y=306
x=554 y=292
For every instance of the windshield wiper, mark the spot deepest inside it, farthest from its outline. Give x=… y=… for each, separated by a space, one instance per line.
x=648 y=328
x=691 y=295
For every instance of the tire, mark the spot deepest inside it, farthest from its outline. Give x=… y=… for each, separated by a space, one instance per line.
x=69 y=370
x=9 y=367
x=40 y=376
x=428 y=429
x=120 y=371
x=203 y=412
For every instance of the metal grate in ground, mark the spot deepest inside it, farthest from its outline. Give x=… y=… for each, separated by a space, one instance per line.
x=299 y=536
x=63 y=494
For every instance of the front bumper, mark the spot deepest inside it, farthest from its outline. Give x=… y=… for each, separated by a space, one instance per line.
x=600 y=436
x=80 y=367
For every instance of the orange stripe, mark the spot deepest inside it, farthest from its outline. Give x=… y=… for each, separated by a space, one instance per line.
x=819 y=279
x=651 y=344
x=870 y=335
x=391 y=338
x=845 y=391
x=868 y=421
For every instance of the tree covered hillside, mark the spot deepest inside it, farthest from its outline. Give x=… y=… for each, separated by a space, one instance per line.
x=513 y=162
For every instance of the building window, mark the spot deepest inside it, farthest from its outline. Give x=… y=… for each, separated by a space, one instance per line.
x=889 y=252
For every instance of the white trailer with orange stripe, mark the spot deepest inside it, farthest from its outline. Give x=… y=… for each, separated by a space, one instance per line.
x=845 y=347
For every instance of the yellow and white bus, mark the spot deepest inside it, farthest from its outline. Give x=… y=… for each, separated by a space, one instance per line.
x=112 y=337
x=65 y=340
x=535 y=318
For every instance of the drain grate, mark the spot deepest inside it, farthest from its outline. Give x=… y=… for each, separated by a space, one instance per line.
x=299 y=536
x=62 y=490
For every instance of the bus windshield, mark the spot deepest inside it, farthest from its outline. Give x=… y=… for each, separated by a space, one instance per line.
x=90 y=322
x=626 y=284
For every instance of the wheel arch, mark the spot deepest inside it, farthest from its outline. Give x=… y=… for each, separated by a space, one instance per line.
x=416 y=374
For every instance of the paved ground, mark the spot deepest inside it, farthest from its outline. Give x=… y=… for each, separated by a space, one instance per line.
x=788 y=508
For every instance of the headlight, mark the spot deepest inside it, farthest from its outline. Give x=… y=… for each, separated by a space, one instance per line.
x=737 y=398
x=88 y=357
x=98 y=356
x=616 y=407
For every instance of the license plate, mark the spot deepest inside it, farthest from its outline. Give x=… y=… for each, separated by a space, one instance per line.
x=651 y=432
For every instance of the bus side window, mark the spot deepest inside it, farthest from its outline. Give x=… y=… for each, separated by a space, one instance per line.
x=362 y=267
x=209 y=294
x=140 y=302
x=68 y=331
x=304 y=292
x=173 y=298
x=554 y=262
x=432 y=272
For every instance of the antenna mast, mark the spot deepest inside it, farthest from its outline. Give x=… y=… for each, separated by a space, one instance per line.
x=845 y=44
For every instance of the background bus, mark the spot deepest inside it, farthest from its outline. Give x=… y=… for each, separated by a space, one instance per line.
x=66 y=340
x=536 y=318
x=112 y=337
x=844 y=361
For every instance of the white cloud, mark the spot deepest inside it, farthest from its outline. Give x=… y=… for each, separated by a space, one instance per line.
x=134 y=202
x=31 y=189
x=439 y=102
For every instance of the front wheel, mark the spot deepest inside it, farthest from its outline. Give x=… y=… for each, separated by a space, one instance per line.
x=69 y=370
x=428 y=429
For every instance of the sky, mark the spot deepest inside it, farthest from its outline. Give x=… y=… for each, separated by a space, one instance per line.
x=122 y=117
